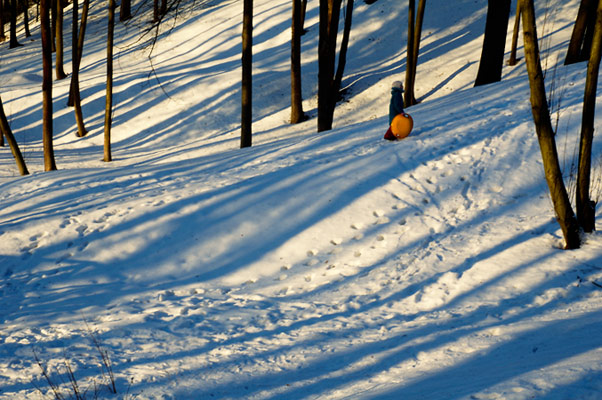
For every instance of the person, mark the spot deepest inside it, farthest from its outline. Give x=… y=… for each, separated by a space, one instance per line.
x=395 y=107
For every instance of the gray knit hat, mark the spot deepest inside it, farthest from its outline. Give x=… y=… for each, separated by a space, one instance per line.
x=397 y=84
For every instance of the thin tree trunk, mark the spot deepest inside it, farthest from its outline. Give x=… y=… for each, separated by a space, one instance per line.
x=545 y=133
x=416 y=26
x=60 y=72
x=80 y=49
x=583 y=22
x=13 y=25
x=246 y=132
x=338 y=77
x=297 y=114
x=494 y=42
x=79 y=119
x=155 y=11
x=586 y=208
x=2 y=33
x=125 y=11
x=329 y=22
x=46 y=33
x=408 y=95
x=26 y=18
x=109 y=95
x=513 y=60
x=303 y=13
x=14 y=147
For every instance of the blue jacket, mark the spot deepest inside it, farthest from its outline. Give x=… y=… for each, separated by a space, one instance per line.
x=396 y=105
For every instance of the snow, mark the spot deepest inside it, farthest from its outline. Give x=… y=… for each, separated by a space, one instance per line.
x=331 y=265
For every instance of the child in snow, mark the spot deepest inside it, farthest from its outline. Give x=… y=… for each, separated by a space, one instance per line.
x=395 y=106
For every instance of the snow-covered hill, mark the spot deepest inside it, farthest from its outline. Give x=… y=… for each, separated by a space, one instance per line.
x=309 y=266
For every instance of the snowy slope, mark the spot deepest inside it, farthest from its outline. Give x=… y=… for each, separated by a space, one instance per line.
x=309 y=266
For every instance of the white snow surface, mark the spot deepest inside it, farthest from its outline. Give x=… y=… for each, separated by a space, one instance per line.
x=332 y=265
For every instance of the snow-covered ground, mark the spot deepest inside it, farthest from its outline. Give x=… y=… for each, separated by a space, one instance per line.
x=310 y=266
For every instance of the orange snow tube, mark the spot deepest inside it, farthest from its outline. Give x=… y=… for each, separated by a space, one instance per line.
x=402 y=125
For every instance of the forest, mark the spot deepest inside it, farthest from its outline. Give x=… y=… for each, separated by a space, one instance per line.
x=197 y=200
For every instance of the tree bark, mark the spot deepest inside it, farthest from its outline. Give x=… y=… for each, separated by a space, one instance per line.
x=545 y=134
x=125 y=11
x=408 y=95
x=578 y=47
x=329 y=22
x=414 y=29
x=513 y=60
x=79 y=119
x=338 y=77
x=297 y=114
x=13 y=25
x=80 y=49
x=26 y=18
x=14 y=147
x=586 y=208
x=109 y=94
x=494 y=42
x=247 y=76
x=46 y=33
x=2 y=33
x=60 y=72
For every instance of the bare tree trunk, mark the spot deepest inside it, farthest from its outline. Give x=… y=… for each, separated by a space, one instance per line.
x=586 y=208
x=155 y=11
x=25 y=4
x=80 y=50
x=303 y=13
x=412 y=56
x=13 y=25
x=494 y=42
x=545 y=133
x=408 y=96
x=297 y=114
x=125 y=11
x=109 y=96
x=2 y=34
x=14 y=147
x=60 y=72
x=46 y=32
x=329 y=22
x=338 y=77
x=246 y=132
x=79 y=119
x=585 y=22
x=513 y=60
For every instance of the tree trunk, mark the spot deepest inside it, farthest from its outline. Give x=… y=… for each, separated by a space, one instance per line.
x=247 y=76
x=586 y=208
x=513 y=60
x=80 y=49
x=13 y=25
x=585 y=22
x=408 y=96
x=494 y=42
x=109 y=95
x=329 y=22
x=303 y=13
x=79 y=119
x=25 y=4
x=46 y=33
x=60 y=72
x=545 y=133
x=125 y=11
x=297 y=114
x=155 y=11
x=2 y=34
x=410 y=81
x=5 y=131
x=338 y=77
